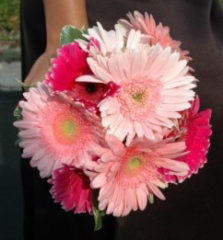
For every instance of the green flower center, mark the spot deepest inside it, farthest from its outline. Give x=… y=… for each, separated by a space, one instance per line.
x=138 y=96
x=68 y=128
x=133 y=165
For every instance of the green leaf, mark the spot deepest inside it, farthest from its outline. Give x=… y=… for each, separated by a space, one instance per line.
x=84 y=30
x=98 y=215
x=151 y=198
x=17 y=113
x=26 y=87
x=70 y=33
x=18 y=141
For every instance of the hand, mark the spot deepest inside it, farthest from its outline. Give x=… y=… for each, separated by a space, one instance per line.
x=39 y=69
x=58 y=14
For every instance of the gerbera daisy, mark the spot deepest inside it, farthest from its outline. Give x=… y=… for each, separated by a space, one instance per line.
x=157 y=33
x=69 y=64
x=89 y=94
x=127 y=177
x=54 y=132
x=103 y=42
x=194 y=128
x=154 y=88
x=66 y=67
x=71 y=188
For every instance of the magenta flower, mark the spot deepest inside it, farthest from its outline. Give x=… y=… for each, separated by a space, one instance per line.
x=71 y=188
x=195 y=129
x=69 y=64
x=66 y=67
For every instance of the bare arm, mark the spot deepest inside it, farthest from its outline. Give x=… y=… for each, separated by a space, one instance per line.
x=57 y=13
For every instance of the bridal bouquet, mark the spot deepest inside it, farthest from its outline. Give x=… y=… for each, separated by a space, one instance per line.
x=116 y=120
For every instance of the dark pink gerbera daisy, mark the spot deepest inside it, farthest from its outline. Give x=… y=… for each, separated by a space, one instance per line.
x=71 y=188
x=195 y=129
x=69 y=64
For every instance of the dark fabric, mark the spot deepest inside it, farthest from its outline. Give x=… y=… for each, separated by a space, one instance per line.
x=193 y=210
x=33 y=33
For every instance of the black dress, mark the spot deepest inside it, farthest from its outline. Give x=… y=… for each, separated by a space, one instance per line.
x=193 y=210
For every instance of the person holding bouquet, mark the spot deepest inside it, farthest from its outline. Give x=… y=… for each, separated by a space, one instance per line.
x=195 y=23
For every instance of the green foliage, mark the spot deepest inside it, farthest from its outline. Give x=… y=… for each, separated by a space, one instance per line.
x=24 y=86
x=221 y=1
x=17 y=113
x=98 y=215
x=9 y=21
x=70 y=33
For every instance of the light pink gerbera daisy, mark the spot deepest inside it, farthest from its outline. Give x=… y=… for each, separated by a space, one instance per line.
x=54 y=132
x=157 y=33
x=194 y=128
x=128 y=177
x=103 y=42
x=71 y=188
x=154 y=88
